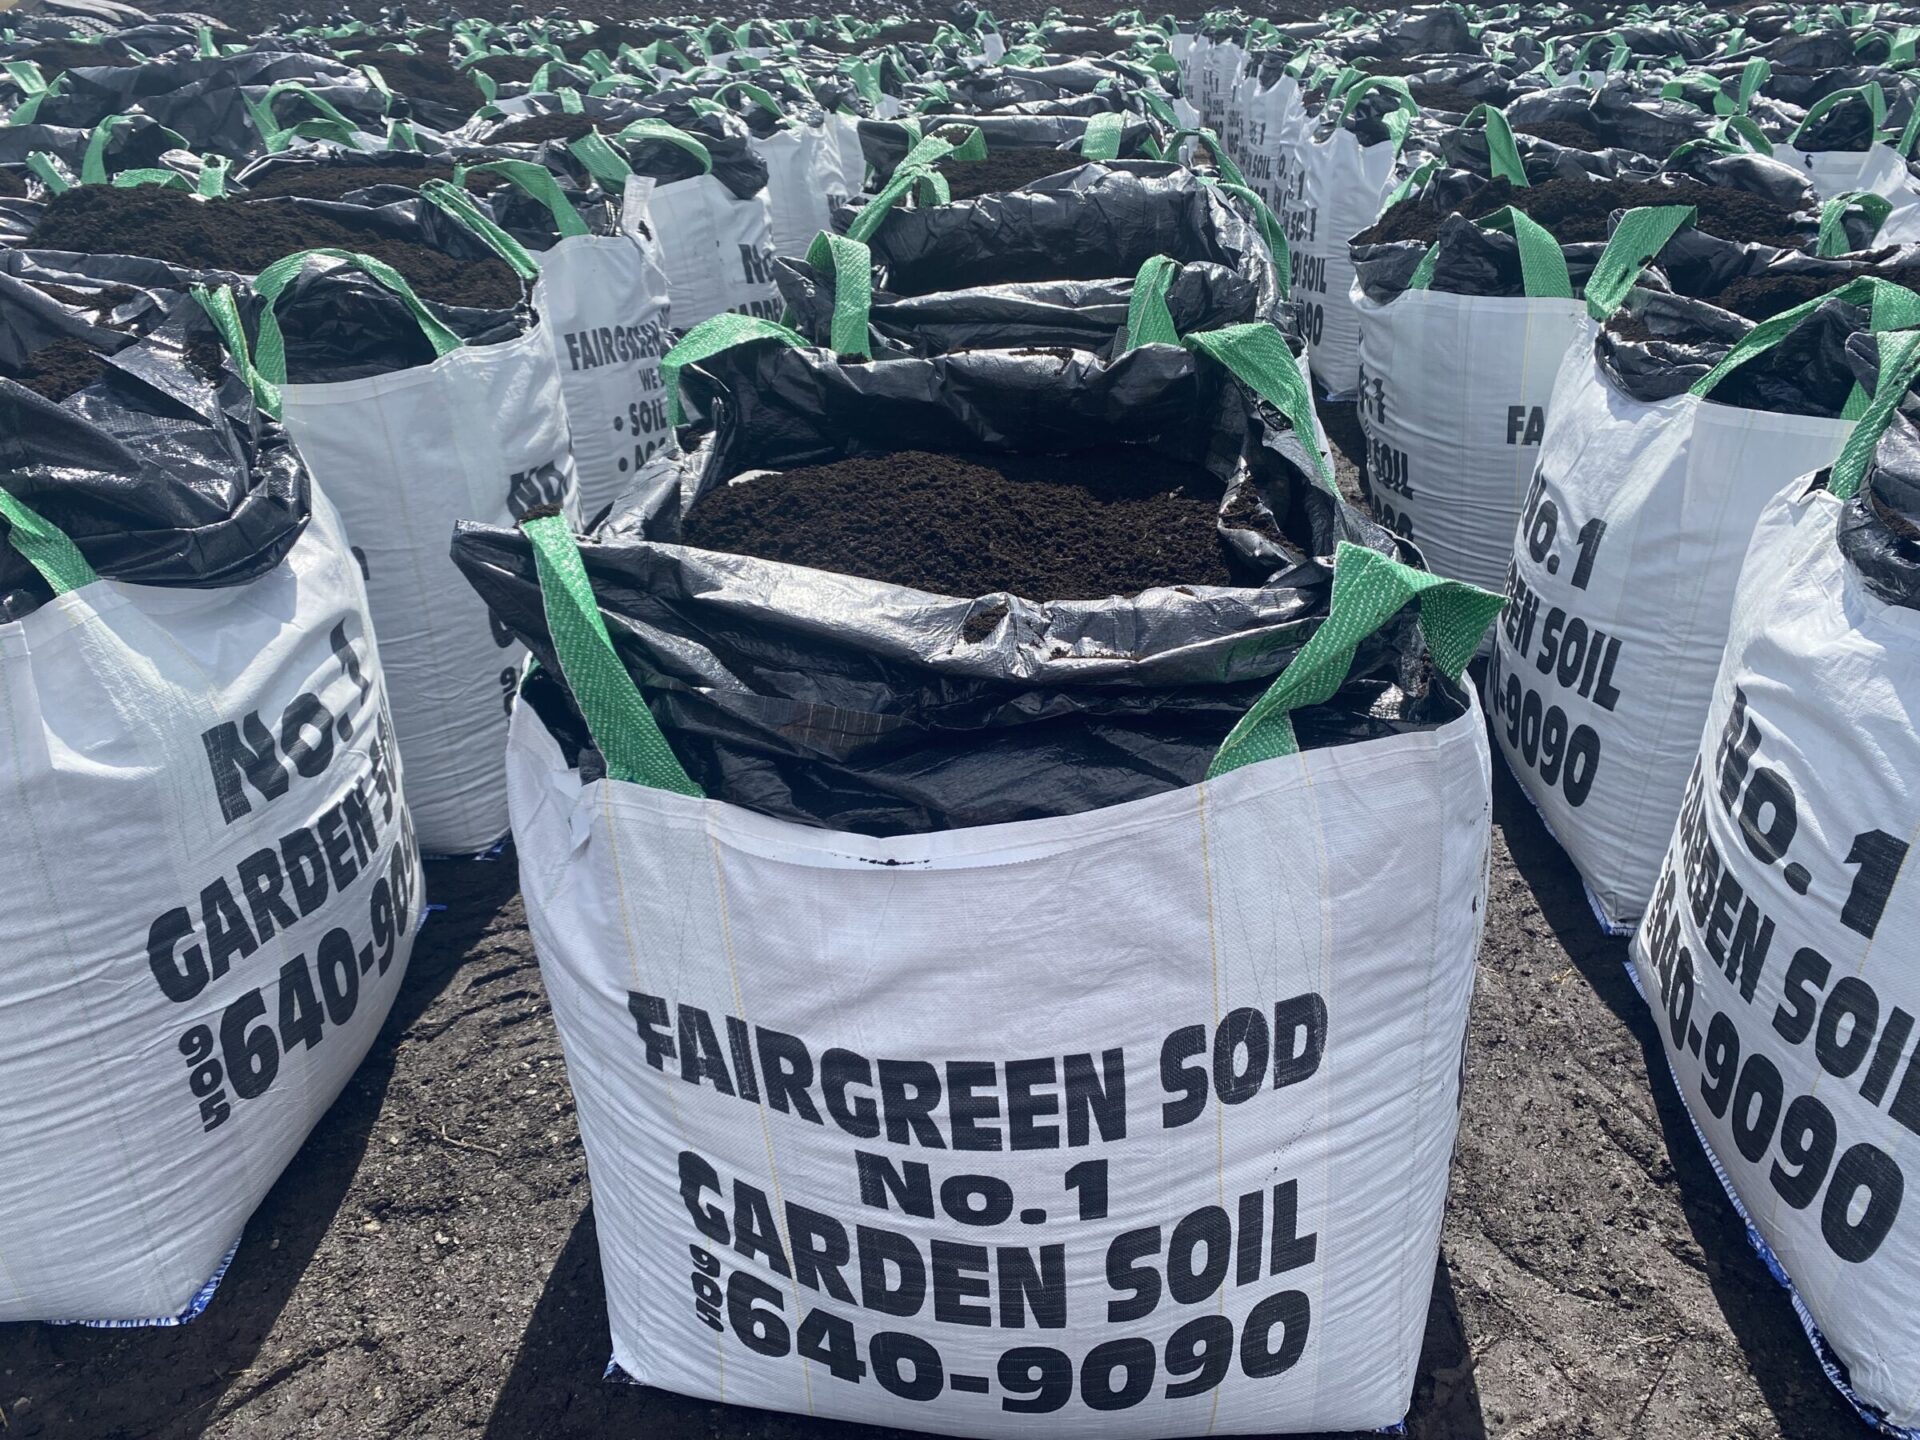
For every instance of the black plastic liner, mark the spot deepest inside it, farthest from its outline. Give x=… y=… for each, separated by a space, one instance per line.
x=1879 y=530
x=848 y=703
x=1097 y=222
x=1077 y=314
x=160 y=476
x=885 y=143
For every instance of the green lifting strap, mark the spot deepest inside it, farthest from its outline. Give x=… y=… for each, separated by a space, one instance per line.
x=462 y=207
x=1833 y=213
x=1102 y=138
x=709 y=338
x=538 y=182
x=623 y=729
x=1369 y=589
x=1149 y=321
x=1257 y=355
x=1543 y=265
x=269 y=360
x=1640 y=236
x=44 y=546
x=1503 y=155
x=852 y=267
x=1899 y=365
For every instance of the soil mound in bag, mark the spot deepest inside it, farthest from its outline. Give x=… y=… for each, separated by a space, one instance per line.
x=1624 y=564
x=1100 y=522
x=1769 y=955
x=1005 y=169
x=472 y=432
x=1578 y=210
x=885 y=143
x=244 y=237
x=1187 y=908
x=192 y=679
x=1080 y=704
x=344 y=176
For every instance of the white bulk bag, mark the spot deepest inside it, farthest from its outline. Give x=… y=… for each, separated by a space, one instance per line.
x=478 y=434
x=1343 y=186
x=1132 y=1123
x=1277 y=125
x=215 y=892
x=805 y=183
x=602 y=303
x=1778 y=950
x=716 y=247
x=1454 y=391
x=1880 y=169
x=1624 y=565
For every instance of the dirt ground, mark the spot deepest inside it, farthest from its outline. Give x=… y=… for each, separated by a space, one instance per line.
x=427 y=1266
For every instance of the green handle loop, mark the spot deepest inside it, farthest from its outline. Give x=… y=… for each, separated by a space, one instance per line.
x=45 y=547
x=93 y=164
x=1503 y=155
x=709 y=338
x=852 y=266
x=462 y=207
x=1102 y=138
x=1640 y=236
x=919 y=161
x=27 y=76
x=1271 y=231
x=151 y=175
x=1405 y=106
x=1369 y=589
x=224 y=312
x=758 y=95
x=269 y=360
x=489 y=87
x=1258 y=357
x=673 y=135
x=44 y=166
x=276 y=136
x=1543 y=265
x=1229 y=171
x=1149 y=321
x=213 y=176
x=623 y=729
x=1833 y=231
x=1890 y=306
x=1871 y=92
x=606 y=165
x=1899 y=364
x=538 y=182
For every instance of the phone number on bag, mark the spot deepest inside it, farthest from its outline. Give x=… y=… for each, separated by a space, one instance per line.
x=1035 y=1379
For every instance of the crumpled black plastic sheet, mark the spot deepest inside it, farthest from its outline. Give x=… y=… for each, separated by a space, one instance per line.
x=1077 y=314
x=159 y=476
x=837 y=701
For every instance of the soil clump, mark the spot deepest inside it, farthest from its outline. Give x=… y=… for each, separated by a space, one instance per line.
x=1006 y=169
x=426 y=77
x=558 y=126
x=1114 y=520
x=1576 y=211
x=334 y=182
x=248 y=236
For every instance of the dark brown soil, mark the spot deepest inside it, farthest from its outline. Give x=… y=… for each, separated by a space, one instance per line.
x=1561 y=132
x=53 y=56
x=1005 y=169
x=246 y=237
x=1631 y=327
x=1573 y=211
x=1110 y=521
x=1442 y=97
x=13 y=185
x=331 y=182
x=535 y=128
x=1759 y=297
x=427 y=77
x=94 y=302
x=514 y=69
x=57 y=370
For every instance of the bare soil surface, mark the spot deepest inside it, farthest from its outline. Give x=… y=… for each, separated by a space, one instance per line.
x=427 y=1266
